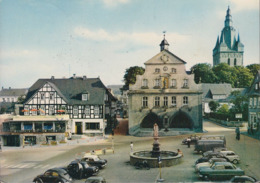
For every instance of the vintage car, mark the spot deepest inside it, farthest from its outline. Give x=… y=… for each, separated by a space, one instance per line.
x=207 y=158
x=81 y=169
x=220 y=170
x=204 y=145
x=95 y=180
x=193 y=138
x=243 y=179
x=94 y=160
x=216 y=150
x=231 y=156
x=54 y=175
x=209 y=163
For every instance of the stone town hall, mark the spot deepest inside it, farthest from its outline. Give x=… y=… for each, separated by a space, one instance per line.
x=165 y=94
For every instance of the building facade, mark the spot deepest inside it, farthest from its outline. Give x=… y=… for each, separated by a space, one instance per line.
x=78 y=106
x=165 y=94
x=228 y=48
x=12 y=94
x=254 y=106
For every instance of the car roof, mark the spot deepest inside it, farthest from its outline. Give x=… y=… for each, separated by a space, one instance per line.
x=227 y=152
x=223 y=163
x=95 y=178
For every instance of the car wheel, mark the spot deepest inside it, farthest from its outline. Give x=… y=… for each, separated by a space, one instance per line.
x=39 y=181
x=235 y=161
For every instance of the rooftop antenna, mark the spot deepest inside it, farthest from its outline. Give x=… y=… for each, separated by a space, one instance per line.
x=164 y=34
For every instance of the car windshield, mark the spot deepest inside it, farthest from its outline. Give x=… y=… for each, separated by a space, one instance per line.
x=96 y=158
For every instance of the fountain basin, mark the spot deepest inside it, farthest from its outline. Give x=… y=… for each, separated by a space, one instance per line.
x=168 y=158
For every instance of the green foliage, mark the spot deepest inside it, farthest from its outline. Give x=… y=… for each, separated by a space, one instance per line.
x=213 y=105
x=240 y=105
x=223 y=109
x=203 y=73
x=21 y=99
x=130 y=76
x=253 y=68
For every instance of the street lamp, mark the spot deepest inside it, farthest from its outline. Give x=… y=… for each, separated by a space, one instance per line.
x=166 y=123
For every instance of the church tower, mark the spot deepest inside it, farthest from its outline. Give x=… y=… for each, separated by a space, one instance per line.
x=228 y=49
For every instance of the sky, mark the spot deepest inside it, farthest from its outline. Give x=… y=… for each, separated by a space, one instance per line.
x=102 y=38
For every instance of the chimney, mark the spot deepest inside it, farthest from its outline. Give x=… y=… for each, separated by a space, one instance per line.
x=84 y=77
x=74 y=76
x=52 y=77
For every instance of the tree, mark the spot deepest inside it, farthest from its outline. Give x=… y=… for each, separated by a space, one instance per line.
x=203 y=73
x=244 y=77
x=223 y=109
x=130 y=76
x=240 y=104
x=21 y=99
x=213 y=105
x=224 y=73
x=254 y=68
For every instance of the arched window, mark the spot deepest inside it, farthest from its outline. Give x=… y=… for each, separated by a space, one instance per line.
x=228 y=61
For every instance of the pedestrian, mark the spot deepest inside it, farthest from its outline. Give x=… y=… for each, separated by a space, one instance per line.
x=188 y=142
x=237 y=133
x=131 y=146
x=180 y=152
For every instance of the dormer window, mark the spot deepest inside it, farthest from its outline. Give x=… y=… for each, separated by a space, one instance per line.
x=85 y=97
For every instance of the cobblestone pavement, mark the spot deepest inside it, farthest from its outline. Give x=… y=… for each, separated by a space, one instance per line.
x=118 y=168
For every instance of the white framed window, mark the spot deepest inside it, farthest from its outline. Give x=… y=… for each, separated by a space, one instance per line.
x=174 y=101
x=157 y=101
x=51 y=95
x=145 y=83
x=51 y=110
x=75 y=110
x=26 y=111
x=87 y=111
x=256 y=86
x=145 y=102
x=185 y=83
x=106 y=97
x=96 y=110
x=157 y=70
x=42 y=110
x=34 y=110
x=174 y=70
x=173 y=83
x=157 y=82
x=85 y=97
x=165 y=101
x=42 y=95
x=185 y=100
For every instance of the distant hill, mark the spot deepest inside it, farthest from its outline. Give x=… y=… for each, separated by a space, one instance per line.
x=115 y=89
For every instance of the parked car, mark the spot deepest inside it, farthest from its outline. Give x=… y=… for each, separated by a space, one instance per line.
x=208 y=145
x=81 y=169
x=207 y=158
x=209 y=163
x=231 y=156
x=194 y=139
x=95 y=180
x=94 y=160
x=215 y=150
x=220 y=170
x=243 y=179
x=53 y=175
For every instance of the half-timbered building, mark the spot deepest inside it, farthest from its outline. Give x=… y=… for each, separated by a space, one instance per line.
x=78 y=106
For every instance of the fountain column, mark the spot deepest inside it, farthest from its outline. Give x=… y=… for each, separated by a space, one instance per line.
x=156 y=144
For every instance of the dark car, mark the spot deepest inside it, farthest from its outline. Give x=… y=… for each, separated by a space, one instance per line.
x=243 y=179
x=95 y=180
x=193 y=139
x=53 y=175
x=81 y=169
x=94 y=160
x=207 y=158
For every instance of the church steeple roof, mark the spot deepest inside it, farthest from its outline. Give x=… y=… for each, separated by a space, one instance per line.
x=164 y=44
x=228 y=21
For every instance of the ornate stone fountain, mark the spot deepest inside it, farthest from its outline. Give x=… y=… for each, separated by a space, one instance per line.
x=168 y=158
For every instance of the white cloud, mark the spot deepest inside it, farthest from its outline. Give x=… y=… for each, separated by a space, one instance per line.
x=241 y=5
x=143 y=38
x=16 y=53
x=114 y=3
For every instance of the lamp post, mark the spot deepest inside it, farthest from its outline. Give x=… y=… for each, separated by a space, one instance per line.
x=166 y=124
x=160 y=172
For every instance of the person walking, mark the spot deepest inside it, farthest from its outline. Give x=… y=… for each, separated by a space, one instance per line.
x=131 y=146
x=188 y=142
x=237 y=133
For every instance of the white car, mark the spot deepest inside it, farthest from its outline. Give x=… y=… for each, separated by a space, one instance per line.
x=231 y=156
x=209 y=163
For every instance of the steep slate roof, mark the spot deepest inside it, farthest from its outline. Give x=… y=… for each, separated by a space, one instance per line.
x=215 y=89
x=13 y=92
x=252 y=90
x=72 y=89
